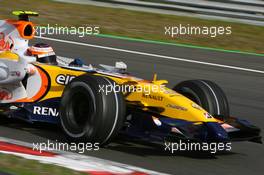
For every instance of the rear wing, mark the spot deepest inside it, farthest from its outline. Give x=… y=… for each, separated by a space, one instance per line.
x=24 y=15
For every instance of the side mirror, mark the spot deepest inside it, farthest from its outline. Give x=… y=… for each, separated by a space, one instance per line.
x=121 y=65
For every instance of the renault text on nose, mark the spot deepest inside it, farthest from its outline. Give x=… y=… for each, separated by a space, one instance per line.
x=38 y=110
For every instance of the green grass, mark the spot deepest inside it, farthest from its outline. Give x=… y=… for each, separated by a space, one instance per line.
x=20 y=166
x=139 y=25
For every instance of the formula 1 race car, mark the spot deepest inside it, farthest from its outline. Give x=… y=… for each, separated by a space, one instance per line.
x=95 y=105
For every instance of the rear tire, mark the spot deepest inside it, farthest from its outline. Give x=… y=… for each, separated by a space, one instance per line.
x=207 y=94
x=88 y=114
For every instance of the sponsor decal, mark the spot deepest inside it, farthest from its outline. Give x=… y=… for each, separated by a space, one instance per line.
x=176 y=107
x=229 y=128
x=194 y=105
x=64 y=79
x=45 y=111
x=156 y=121
x=13 y=107
x=153 y=97
x=31 y=69
x=176 y=130
x=15 y=73
x=207 y=115
x=5 y=94
x=3 y=44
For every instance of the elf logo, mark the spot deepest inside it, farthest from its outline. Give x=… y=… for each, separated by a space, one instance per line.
x=64 y=79
x=45 y=111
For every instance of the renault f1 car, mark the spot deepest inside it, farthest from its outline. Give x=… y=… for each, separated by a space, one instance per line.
x=95 y=105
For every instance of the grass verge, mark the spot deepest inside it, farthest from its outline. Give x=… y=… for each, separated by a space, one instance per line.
x=20 y=166
x=141 y=25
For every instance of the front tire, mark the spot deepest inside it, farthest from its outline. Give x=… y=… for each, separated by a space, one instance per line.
x=88 y=114
x=207 y=94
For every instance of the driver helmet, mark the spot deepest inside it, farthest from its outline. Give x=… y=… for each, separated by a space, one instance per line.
x=44 y=53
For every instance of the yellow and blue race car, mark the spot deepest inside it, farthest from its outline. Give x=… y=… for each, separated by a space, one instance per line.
x=95 y=105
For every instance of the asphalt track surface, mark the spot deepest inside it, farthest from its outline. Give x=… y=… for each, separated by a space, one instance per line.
x=245 y=91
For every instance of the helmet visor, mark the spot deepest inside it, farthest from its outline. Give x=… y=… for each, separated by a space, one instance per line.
x=49 y=59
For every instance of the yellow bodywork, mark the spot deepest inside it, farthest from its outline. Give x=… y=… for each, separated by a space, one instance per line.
x=7 y=55
x=150 y=96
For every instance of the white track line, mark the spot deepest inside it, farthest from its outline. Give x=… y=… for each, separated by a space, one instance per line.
x=153 y=55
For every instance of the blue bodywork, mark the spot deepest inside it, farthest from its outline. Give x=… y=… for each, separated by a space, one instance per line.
x=142 y=126
x=44 y=111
